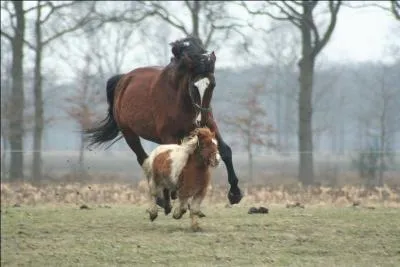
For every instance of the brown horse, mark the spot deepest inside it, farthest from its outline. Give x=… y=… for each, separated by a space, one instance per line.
x=183 y=168
x=164 y=104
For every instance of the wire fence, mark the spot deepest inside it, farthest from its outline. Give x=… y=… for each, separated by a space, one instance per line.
x=353 y=167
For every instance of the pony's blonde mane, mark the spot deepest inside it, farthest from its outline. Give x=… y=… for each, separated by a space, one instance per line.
x=190 y=143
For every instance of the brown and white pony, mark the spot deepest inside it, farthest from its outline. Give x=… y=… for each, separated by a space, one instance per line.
x=183 y=168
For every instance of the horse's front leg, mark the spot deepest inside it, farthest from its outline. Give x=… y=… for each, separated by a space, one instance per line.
x=235 y=194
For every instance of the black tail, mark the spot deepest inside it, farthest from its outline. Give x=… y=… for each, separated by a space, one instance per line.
x=108 y=128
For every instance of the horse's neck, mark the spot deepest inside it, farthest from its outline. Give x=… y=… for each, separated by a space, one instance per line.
x=179 y=82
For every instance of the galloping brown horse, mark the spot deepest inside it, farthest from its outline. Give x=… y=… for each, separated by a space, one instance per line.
x=164 y=104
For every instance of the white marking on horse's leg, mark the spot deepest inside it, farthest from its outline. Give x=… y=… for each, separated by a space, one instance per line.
x=201 y=85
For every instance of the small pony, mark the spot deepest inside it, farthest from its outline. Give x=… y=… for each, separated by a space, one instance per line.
x=182 y=168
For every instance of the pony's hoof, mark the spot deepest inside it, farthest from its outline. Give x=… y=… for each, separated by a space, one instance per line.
x=173 y=195
x=152 y=215
x=201 y=214
x=160 y=202
x=235 y=195
x=196 y=228
x=167 y=210
x=178 y=214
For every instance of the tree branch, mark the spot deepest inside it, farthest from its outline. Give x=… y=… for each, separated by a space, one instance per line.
x=333 y=9
x=7 y=36
x=167 y=17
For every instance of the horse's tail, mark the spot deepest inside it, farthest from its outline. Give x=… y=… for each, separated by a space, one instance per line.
x=107 y=129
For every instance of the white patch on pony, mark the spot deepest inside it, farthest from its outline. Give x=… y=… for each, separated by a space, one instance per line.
x=186 y=43
x=201 y=85
x=179 y=155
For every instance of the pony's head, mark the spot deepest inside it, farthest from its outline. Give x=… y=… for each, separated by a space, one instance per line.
x=207 y=148
x=192 y=59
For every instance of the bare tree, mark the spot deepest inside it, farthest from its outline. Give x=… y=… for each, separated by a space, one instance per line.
x=81 y=105
x=46 y=13
x=16 y=102
x=380 y=115
x=313 y=40
x=251 y=125
x=210 y=21
x=392 y=6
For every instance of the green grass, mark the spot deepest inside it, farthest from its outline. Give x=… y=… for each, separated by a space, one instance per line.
x=123 y=236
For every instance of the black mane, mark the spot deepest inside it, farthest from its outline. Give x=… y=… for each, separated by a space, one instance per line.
x=192 y=46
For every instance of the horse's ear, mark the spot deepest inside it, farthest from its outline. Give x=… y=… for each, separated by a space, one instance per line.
x=176 y=50
x=213 y=57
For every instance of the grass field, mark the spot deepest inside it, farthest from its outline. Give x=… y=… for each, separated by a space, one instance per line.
x=121 y=235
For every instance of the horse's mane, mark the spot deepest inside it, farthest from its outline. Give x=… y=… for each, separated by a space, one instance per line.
x=192 y=46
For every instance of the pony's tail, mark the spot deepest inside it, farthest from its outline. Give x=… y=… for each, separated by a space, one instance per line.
x=107 y=129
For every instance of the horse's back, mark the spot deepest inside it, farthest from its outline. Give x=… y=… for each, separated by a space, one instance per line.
x=134 y=101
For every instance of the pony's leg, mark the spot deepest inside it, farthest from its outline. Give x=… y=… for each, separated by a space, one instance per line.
x=195 y=212
x=235 y=194
x=152 y=210
x=181 y=209
x=167 y=202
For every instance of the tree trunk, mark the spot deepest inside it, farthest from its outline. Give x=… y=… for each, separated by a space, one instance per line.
x=17 y=97
x=38 y=99
x=306 y=65
x=250 y=158
x=195 y=19
x=4 y=155
x=81 y=154
x=278 y=121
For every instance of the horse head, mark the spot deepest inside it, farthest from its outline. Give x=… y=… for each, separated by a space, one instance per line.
x=197 y=66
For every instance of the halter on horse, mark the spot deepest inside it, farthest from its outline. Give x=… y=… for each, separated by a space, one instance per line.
x=163 y=105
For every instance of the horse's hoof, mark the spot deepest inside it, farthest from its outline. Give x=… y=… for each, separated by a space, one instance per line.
x=201 y=214
x=235 y=195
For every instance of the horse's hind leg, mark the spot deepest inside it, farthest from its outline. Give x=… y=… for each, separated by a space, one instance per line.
x=134 y=143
